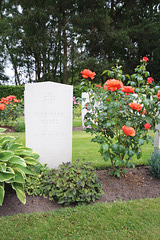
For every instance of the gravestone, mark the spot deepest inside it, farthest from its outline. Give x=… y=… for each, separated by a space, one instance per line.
x=85 y=97
x=48 y=121
x=157 y=137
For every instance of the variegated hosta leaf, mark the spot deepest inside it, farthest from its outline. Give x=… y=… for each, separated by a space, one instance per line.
x=13 y=146
x=26 y=152
x=25 y=170
x=9 y=138
x=19 y=176
x=2 y=192
x=5 y=155
x=16 y=160
x=30 y=160
x=3 y=167
x=7 y=175
x=19 y=188
x=2 y=130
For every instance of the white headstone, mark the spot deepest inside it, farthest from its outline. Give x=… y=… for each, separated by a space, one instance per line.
x=84 y=110
x=157 y=137
x=85 y=96
x=48 y=121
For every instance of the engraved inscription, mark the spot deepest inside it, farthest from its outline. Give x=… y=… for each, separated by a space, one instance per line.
x=49 y=97
x=50 y=123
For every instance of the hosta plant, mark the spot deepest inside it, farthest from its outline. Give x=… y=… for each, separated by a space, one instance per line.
x=14 y=162
x=120 y=114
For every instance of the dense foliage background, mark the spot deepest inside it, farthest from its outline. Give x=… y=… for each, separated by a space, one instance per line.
x=53 y=40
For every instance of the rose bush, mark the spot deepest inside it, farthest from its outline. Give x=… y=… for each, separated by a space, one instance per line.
x=121 y=119
x=10 y=109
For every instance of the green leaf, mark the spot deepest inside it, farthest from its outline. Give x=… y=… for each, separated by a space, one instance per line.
x=19 y=176
x=105 y=71
x=2 y=130
x=3 y=139
x=130 y=152
x=17 y=160
x=128 y=123
x=148 y=119
x=139 y=78
x=8 y=174
x=19 y=188
x=3 y=167
x=121 y=148
x=146 y=102
x=26 y=152
x=141 y=142
x=105 y=147
x=25 y=170
x=14 y=146
x=115 y=146
x=2 y=192
x=5 y=155
x=30 y=160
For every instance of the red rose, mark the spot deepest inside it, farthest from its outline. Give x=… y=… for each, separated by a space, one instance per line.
x=145 y=59
x=3 y=100
x=2 y=106
x=147 y=126
x=11 y=97
x=16 y=100
x=158 y=95
x=86 y=73
x=135 y=106
x=144 y=111
x=150 y=80
x=127 y=89
x=129 y=131
x=98 y=86
x=113 y=84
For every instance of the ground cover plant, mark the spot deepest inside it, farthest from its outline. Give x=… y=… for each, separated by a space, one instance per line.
x=71 y=183
x=121 y=115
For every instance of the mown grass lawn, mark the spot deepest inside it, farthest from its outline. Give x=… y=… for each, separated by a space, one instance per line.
x=136 y=220
x=83 y=148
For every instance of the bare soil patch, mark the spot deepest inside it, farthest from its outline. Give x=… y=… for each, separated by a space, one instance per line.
x=139 y=183
x=9 y=129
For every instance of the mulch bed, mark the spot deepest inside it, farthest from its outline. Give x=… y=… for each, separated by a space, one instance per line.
x=8 y=129
x=139 y=183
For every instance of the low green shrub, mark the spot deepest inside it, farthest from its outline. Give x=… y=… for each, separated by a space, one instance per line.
x=6 y=90
x=154 y=163
x=35 y=184
x=70 y=183
x=19 y=127
x=14 y=162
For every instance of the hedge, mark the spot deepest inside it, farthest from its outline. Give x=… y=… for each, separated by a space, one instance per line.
x=18 y=91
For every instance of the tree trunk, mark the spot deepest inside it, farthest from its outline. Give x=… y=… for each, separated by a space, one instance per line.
x=64 y=48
